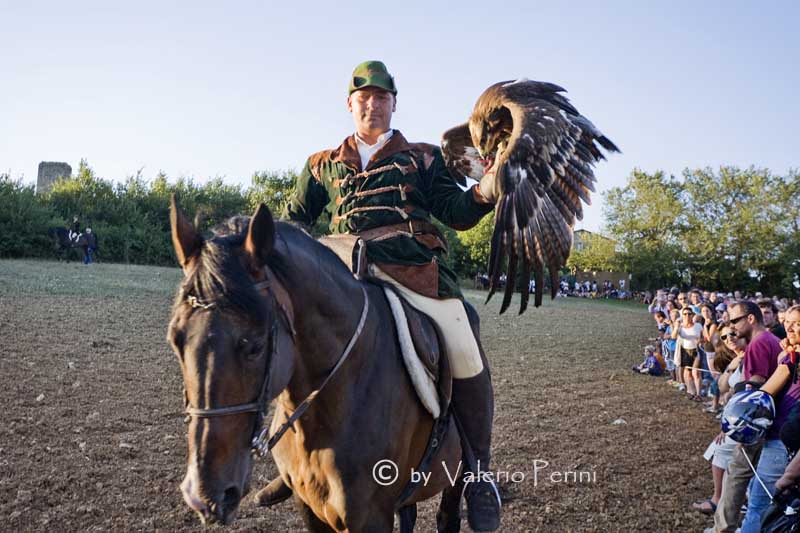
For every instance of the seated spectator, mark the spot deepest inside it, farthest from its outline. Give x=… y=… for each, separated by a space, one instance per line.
x=651 y=364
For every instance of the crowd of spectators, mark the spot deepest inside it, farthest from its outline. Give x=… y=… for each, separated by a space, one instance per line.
x=712 y=345
x=586 y=289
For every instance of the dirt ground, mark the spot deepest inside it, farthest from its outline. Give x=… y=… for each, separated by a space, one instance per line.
x=92 y=437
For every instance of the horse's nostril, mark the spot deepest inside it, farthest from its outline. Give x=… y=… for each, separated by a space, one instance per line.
x=230 y=497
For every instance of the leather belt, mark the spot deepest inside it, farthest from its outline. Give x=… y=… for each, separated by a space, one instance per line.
x=422 y=230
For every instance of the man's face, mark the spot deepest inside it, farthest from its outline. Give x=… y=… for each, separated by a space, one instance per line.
x=792 y=325
x=706 y=295
x=769 y=316
x=742 y=322
x=695 y=298
x=372 y=109
x=681 y=299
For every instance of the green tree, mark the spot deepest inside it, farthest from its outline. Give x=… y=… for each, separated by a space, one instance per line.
x=735 y=226
x=592 y=251
x=272 y=189
x=647 y=219
x=24 y=221
x=475 y=246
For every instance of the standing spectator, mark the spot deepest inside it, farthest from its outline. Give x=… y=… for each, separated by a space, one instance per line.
x=760 y=361
x=722 y=447
x=786 y=391
x=681 y=300
x=670 y=353
x=762 y=346
x=710 y=337
x=659 y=303
x=694 y=301
x=688 y=335
x=782 y=315
x=770 y=313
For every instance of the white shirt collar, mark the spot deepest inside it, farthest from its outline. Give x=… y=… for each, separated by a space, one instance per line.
x=366 y=151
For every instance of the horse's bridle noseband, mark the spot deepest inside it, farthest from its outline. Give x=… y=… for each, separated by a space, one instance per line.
x=261 y=443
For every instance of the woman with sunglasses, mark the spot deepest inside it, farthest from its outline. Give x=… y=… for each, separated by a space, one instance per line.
x=689 y=334
x=729 y=354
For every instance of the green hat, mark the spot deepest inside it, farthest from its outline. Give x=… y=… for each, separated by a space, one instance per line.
x=371 y=74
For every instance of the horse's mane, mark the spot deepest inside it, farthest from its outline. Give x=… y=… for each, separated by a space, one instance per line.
x=220 y=277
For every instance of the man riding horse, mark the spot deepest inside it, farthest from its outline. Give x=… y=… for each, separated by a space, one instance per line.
x=384 y=189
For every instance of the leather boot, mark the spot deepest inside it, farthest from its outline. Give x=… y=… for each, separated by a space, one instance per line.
x=273 y=494
x=473 y=403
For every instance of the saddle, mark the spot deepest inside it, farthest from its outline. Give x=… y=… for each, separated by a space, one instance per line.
x=420 y=340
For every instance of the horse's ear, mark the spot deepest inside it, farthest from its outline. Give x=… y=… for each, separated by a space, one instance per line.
x=184 y=236
x=260 y=235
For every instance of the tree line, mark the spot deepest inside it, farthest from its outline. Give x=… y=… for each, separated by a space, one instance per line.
x=720 y=229
x=723 y=229
x=131 y=217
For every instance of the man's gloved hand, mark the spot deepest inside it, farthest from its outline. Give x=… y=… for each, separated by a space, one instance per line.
x=489 y=188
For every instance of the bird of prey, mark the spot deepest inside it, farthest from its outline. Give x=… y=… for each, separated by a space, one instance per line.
x=539 y=152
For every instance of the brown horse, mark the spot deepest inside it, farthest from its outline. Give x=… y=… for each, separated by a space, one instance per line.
x=265 y=312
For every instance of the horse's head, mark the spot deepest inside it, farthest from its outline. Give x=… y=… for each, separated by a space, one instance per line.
x=233 y=341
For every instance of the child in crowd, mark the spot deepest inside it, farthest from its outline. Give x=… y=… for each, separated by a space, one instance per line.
x=651 y=364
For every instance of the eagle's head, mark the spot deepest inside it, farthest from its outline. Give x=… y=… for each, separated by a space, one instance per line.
x=490 y=128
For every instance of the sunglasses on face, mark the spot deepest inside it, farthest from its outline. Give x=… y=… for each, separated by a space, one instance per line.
x=729 y=336
x=737 y=319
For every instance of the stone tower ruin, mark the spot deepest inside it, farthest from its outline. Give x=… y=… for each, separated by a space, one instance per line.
x=49 y=172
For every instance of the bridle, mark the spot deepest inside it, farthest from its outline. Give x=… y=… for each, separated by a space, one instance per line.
x=260 y=442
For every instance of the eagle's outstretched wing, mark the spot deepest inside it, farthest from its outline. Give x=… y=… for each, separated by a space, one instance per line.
x=542 y=151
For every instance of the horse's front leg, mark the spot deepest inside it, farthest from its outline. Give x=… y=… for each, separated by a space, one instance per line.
x=448 y=518
x=408 y=518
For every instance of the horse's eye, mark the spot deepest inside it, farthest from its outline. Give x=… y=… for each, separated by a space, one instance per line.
x=250 y=349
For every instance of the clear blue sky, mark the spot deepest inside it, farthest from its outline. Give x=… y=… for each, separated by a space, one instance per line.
x=204 y=89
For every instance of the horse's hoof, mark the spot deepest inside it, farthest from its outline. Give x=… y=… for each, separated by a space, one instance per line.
x=273 y=494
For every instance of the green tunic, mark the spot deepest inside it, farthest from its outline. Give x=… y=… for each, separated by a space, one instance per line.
x=403 y=181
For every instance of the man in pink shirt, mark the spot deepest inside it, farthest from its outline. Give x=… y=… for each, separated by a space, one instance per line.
x=761 y=355
x=760 y=361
